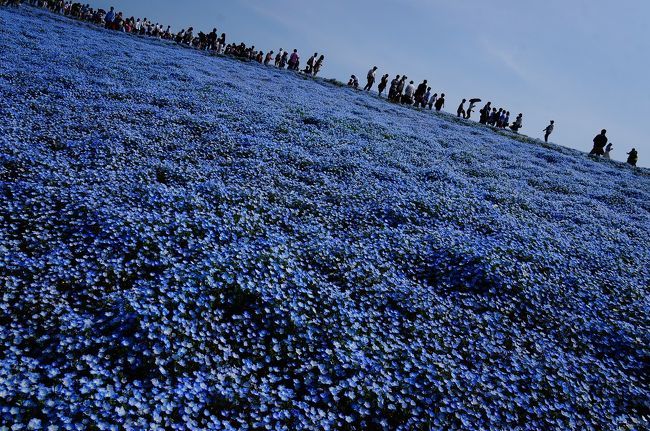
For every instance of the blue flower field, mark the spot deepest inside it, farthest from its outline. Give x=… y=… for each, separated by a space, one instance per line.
x=193 y=242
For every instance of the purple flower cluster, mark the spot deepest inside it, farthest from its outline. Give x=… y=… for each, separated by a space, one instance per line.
x=198 y=243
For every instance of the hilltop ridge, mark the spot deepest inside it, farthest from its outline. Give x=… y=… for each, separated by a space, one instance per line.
x=198 y=242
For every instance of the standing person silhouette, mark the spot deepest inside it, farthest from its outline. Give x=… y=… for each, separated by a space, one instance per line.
x=319 y=64
x=548 y=131
x=432 y=100
x=470 y=109
x=599 y=144
x=407 y=99
x=268 y=58
x=382 y=84
x=309 y=69
x=397 y=97
x=426 y=97
x=460 y=112
x=632 y=157
x=485 y=113
x=608 y=149
x=371 y=79
x=440 y=103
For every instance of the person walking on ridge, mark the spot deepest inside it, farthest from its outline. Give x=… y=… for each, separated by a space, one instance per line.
x=599 y=144
x=319 y=64
x=440 y=103
x=548 y=131
x=470 y=109
x=426 y=97
x=400 y=89
x=432 y=100
x=407 y=99
x=371 y=78
x=485 y=113
x=608 y=149
x=393 y=88
x=460 y=112
x=109 y=18
x=309 y=69
x=284 y=59
x=294 y=60
x=268 y=58
x=632 y=157
x=419 y=94
x=382 y=84
x=518 y=124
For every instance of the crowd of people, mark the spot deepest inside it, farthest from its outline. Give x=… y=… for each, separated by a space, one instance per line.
x=399 y=91
x=421 y=97
x=211 y=42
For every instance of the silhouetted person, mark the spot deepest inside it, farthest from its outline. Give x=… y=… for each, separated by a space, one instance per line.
x=440 y=103
x=502 y=119
x=109 y=18
x=353 y=82
x=371 y=79
x=432 y=100
x=548 y=131
x=309 y=69
x=492 y=119
x=608 y=149
x=632 y=157
x=400 y=88
x=268 y=58
x=212 y=40
x=470 y=109
x=599 y=144
x=319 y=64
x=461 y=109
x=284 y=59
x=485 y=113
x=382 y=84
x=517 y=124
x=419 y=94
x=294 y=60
x=426 y=97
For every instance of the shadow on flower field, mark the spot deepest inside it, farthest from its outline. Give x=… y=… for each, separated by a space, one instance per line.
x=195 y=242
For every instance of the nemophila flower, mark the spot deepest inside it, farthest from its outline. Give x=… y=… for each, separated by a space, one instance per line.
x=181 y=253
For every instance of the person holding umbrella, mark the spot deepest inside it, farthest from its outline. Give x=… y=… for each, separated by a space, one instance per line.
x=472 y=103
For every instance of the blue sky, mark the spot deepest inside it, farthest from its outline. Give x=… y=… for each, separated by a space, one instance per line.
x=582 y=63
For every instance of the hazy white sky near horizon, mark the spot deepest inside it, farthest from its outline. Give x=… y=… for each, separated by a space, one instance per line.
x=582 y=63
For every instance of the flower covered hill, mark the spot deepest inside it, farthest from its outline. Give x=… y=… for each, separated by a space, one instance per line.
x=194 y=242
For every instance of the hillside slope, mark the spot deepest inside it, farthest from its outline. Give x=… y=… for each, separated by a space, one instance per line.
x=196 y=242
